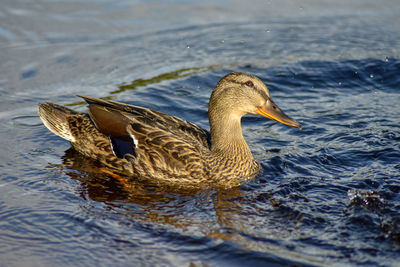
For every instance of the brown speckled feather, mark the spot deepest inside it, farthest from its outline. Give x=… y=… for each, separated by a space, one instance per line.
x=166 y=145
x=79 y=129
x=148 y=117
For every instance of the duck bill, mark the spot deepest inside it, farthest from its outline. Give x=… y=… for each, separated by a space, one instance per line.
x=271 y=111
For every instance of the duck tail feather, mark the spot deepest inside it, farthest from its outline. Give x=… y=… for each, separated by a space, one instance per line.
x=55 y=118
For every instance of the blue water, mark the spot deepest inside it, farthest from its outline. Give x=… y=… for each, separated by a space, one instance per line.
x=329 y=193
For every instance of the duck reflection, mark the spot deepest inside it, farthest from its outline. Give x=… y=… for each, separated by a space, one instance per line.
x=156 y=203
x=236 y=215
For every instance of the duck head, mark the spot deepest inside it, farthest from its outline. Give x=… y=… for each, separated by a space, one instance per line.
x=239 y=93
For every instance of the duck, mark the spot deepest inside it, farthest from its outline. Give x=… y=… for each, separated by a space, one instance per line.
x=135 y=141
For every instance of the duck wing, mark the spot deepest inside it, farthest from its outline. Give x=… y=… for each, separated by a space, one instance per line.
x=152 y=137
x=150 y=117
x=111 y=118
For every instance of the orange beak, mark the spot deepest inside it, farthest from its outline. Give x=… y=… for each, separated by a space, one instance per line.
x=271 y=111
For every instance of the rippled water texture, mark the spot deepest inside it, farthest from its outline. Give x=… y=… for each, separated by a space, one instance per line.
x=329 y=193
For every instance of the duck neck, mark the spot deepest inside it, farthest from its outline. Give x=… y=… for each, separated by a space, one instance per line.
x=227 y=138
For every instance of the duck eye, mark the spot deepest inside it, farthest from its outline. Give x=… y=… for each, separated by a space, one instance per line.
x=249 y=83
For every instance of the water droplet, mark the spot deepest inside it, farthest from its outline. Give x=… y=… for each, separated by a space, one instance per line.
x=371 y=76
x=187 y=46
x=340 y=83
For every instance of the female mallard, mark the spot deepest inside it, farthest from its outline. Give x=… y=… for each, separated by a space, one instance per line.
x=137 y=141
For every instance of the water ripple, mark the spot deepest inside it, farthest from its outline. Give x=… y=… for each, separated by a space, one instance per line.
x=329 y=194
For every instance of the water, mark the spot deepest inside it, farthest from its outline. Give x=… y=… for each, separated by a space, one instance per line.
x=329 y=194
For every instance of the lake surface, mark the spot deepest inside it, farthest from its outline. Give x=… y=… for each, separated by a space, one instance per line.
x=329 y=193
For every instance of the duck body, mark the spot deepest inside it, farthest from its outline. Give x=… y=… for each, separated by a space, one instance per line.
x=139 y=142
